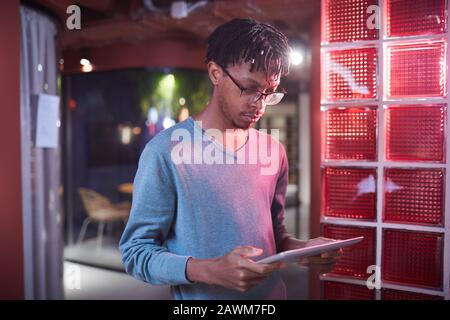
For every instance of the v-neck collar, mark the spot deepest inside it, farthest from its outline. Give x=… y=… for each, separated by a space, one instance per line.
x=218 y=145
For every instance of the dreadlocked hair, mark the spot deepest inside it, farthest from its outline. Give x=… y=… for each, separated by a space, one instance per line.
x=246 y=40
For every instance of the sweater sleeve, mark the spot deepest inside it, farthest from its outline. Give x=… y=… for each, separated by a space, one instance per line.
x=151 y=217
x=279 y=199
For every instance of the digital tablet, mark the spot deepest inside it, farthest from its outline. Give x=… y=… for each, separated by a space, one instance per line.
x=313 y=250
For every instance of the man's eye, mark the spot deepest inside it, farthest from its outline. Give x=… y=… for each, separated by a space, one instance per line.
x=251 y=91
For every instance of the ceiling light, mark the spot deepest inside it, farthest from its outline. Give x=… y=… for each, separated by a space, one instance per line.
x=296 y=57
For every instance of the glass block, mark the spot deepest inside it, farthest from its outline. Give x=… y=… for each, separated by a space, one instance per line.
x=417 y=70
x=350 y=134
x=349 y=193
x=350 y=74
x=412 y=258
x=414 y=196
x=418 y=17
x=346 y=21
x=390 y=294
x=415 y=133
x=344 y=291
x=355 y=259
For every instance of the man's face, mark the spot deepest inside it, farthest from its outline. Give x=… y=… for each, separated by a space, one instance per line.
x=240 y=109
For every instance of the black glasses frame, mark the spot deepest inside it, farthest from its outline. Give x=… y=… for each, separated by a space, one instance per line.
x=261 y=94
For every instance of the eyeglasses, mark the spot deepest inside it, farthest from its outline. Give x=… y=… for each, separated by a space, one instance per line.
x=254 y=95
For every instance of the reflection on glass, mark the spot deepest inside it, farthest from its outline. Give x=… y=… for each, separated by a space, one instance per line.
x=350 y=74
x=414 y=196
x=349 y=193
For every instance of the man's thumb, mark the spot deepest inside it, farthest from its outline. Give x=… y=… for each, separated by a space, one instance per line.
x=248 y=251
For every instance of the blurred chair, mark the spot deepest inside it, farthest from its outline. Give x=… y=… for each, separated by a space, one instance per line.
x=100 y=209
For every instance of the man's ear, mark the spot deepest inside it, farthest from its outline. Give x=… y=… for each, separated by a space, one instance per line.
x=215 y=73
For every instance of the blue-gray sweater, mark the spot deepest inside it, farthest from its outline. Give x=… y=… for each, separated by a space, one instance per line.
x=183 y=210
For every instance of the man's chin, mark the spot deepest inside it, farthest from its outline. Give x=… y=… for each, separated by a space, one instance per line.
x=243 y=124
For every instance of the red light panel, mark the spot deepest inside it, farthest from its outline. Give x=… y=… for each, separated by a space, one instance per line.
x=414 y=196
x=415 y=133
x=412 y=257
x=344 y=291
x=350 y=134
x=346 y=21
x=350 y=74
x=390 y=294
x=349 y=193
x=409 y=18
x=417 y=70
x=355 y=259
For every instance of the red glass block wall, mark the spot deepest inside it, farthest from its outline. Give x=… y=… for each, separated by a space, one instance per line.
x=349 y=193
x=384 y=104
x=421 y=17
x=415 y=132
x=344 y=291
x=416 y=69
x=413 y=257
x=414 y=196
x=346 y=21
x=390 y=294
x=355 y=259
x=350 y=134
x=350 y=74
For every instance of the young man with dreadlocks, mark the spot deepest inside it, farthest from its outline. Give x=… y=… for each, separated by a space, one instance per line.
x=201 y=227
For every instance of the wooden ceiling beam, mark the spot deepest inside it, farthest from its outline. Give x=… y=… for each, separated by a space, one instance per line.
x=98 y=5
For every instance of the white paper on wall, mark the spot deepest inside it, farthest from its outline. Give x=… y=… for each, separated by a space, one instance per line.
x=47 y=126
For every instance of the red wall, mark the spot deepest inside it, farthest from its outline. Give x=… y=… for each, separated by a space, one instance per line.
x=316 y=189
x=11 y=246
x=157 y=53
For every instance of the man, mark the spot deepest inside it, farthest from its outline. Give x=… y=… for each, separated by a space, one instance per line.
x=200 y=226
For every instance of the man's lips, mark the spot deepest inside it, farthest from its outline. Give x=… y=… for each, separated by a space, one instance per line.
x=252 y=115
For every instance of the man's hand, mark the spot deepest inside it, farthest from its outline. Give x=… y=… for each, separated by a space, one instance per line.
x=233 y=271
x=323 y=263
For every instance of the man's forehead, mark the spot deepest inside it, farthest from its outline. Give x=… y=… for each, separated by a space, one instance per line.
x=271 y=78
x=262 y=80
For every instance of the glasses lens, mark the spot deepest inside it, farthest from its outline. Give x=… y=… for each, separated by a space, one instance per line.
x=274 y=98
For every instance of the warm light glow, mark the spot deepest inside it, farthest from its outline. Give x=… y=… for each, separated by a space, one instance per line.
x=87 y=68
x=137 y=131
x=85 y=62
x=184 y=114
x=126 y=135
x=296 y=57
x=182 y=101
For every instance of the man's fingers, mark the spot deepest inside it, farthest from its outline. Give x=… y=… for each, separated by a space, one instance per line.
x=262 y=268
x=248 y=275
x=331 y=254
x=247 y=251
